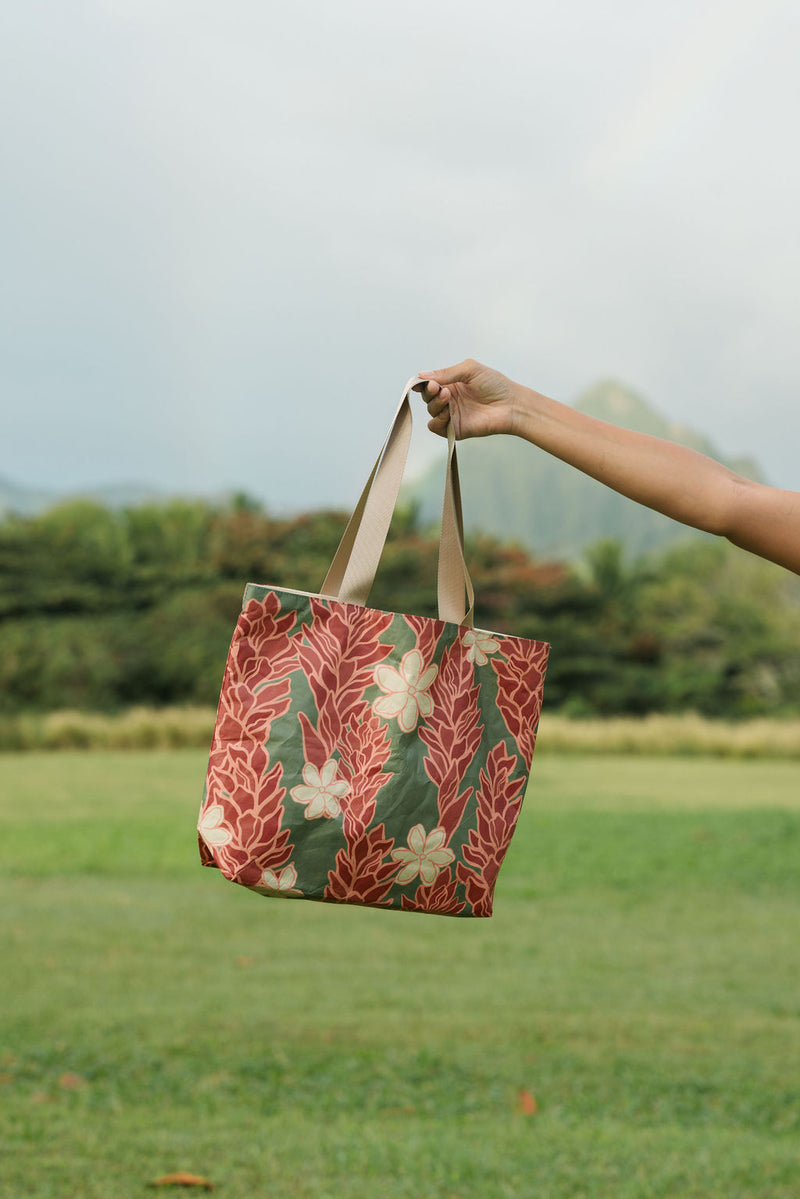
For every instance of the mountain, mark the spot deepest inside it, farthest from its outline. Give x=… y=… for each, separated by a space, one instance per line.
x=27 y=501
x=519 y=493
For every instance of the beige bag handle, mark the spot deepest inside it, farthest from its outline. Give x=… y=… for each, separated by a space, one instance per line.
x=355 y=562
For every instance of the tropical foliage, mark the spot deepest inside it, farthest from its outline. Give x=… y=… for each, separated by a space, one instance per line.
x=103 y=609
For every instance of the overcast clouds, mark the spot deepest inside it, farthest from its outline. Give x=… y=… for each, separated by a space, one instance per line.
x=233 y=231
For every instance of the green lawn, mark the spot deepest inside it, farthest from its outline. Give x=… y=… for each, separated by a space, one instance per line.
x=640 y=979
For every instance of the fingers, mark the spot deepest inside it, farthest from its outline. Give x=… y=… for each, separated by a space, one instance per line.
x=428 y=389
x=438 y=403
x=439 y=410
x=437 y=398
x=427 y=385
x=439 y=425
x=452 y=374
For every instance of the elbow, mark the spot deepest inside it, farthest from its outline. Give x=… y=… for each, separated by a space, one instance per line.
x=730 y=514
x=766 y=521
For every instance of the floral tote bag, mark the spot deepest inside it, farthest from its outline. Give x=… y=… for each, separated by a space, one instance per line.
x=369 y=757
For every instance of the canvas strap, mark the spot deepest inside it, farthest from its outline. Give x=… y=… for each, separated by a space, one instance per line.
x=355 y=562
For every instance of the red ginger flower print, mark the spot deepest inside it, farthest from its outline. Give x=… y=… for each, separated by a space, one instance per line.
x=340 y=649
x=257 y=684
x=427 y=633
x=364 y=749
x=452 y=734
x=499 y=801
x=441 y=896
x=360 y=869
x=362 y=872
x=251 y=794
x=240 y=823
x=520 y=683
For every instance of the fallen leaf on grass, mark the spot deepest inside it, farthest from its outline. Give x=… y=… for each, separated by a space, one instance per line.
x=6 y=1079
x=71 y=1082
x=182 y=1179
x=527 y=1103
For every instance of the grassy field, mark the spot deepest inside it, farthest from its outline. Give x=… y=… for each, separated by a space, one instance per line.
x=639 y=982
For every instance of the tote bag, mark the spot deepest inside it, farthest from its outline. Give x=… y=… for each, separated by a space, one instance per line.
x=371 y=757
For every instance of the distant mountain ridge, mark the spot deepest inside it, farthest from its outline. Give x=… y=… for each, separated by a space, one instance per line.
x=27 y=501
x=519 y=493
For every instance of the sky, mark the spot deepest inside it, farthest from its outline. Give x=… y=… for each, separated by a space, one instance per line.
x=233 y=231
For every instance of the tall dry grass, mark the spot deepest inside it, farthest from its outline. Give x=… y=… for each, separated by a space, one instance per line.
x=687 y=734
x=174 y=728
x=136 y=728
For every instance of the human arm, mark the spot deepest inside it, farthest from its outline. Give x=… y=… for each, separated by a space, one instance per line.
x=659 y=474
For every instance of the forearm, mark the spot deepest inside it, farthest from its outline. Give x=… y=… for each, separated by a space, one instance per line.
x=667 y=477
x=670 y=478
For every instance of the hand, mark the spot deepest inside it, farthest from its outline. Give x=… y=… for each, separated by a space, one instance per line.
x=477 y=399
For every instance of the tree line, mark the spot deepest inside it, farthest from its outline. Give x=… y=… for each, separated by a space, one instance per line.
x=102 y=609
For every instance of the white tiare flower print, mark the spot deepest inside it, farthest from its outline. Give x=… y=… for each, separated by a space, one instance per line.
x=210 y=827
x=425 y=856
x=407 y=696
x=320 y=793
x=478 y=645
x=283 y=883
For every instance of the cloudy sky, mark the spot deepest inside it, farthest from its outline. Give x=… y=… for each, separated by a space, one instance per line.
x=232 y=231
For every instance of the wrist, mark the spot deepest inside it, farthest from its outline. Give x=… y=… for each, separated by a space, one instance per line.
x=522 y=408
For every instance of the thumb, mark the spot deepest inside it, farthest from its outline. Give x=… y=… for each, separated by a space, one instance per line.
x=451 y=374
